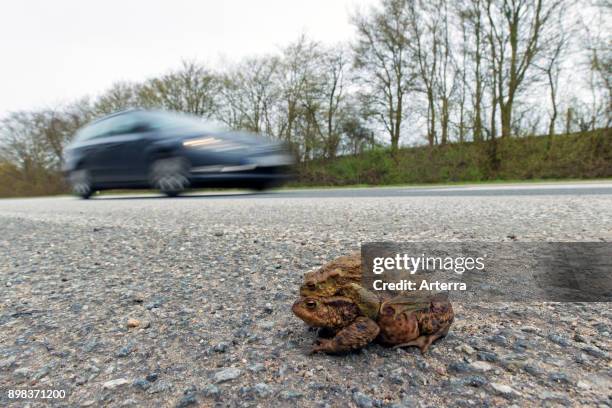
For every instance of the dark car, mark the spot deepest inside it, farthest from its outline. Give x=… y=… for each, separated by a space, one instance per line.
x=170 y=152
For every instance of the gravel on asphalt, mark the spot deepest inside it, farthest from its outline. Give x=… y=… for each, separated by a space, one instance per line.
x=186 y=302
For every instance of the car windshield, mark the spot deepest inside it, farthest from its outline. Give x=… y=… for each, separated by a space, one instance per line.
x=172 y=120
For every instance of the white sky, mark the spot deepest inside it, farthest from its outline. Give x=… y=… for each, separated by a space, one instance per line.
x=53 y=51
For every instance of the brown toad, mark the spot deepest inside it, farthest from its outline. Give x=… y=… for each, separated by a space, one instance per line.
x=342 y=317
x=341 y=277
x=336 y=274
x=416 y=320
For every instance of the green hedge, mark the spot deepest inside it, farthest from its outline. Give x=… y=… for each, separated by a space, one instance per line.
x=585 y=155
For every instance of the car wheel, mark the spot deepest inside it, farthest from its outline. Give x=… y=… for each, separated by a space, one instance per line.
x=81 y=183
x=170 y=175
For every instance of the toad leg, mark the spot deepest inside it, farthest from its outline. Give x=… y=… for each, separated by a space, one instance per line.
x=423 y=342
x=354 y=336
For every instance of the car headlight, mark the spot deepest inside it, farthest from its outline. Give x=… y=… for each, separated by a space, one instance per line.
x=212 y=143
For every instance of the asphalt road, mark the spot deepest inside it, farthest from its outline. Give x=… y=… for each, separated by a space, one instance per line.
x=210 y=279
x=443 y=191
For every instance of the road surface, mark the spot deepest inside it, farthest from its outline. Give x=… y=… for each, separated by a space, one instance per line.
x=210 y=279
x=592 y=188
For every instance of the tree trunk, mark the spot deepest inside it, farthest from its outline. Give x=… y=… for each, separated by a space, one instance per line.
x=398 y=121
x=506 y=119
x=493 y=107
x=478 y=95
x=553 y=101
x=478 y=124
x=431 y=134
x=461 y=123
x=551 y=125
x=444 y=121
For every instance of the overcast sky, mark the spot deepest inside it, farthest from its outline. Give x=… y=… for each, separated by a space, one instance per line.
x=53 y=51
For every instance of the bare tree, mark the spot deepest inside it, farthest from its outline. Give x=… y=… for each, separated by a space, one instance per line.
x=323 y=103
x=24 y=145
x=425 y=31
x=472 y=24
x=249 y=91
x=597 y=41
x=382 y=56
x=335 y=64
x=36 y=139
x=464 y=79
x=447 y=72
x=358 y=137
x=120 y=96
x=191 y=89
x=552 y=69
x=295 y=77
x=515 y=38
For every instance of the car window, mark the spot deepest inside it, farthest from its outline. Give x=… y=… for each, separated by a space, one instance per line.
x=90 y=131
x=173 y=120
x=105 y=128
x=122 y=124
x=116 y=125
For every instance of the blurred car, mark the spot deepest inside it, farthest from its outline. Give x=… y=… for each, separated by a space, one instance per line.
x=170 y=152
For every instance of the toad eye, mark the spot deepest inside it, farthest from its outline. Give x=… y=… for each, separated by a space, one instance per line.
x=311 y=286
x=311 y=304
